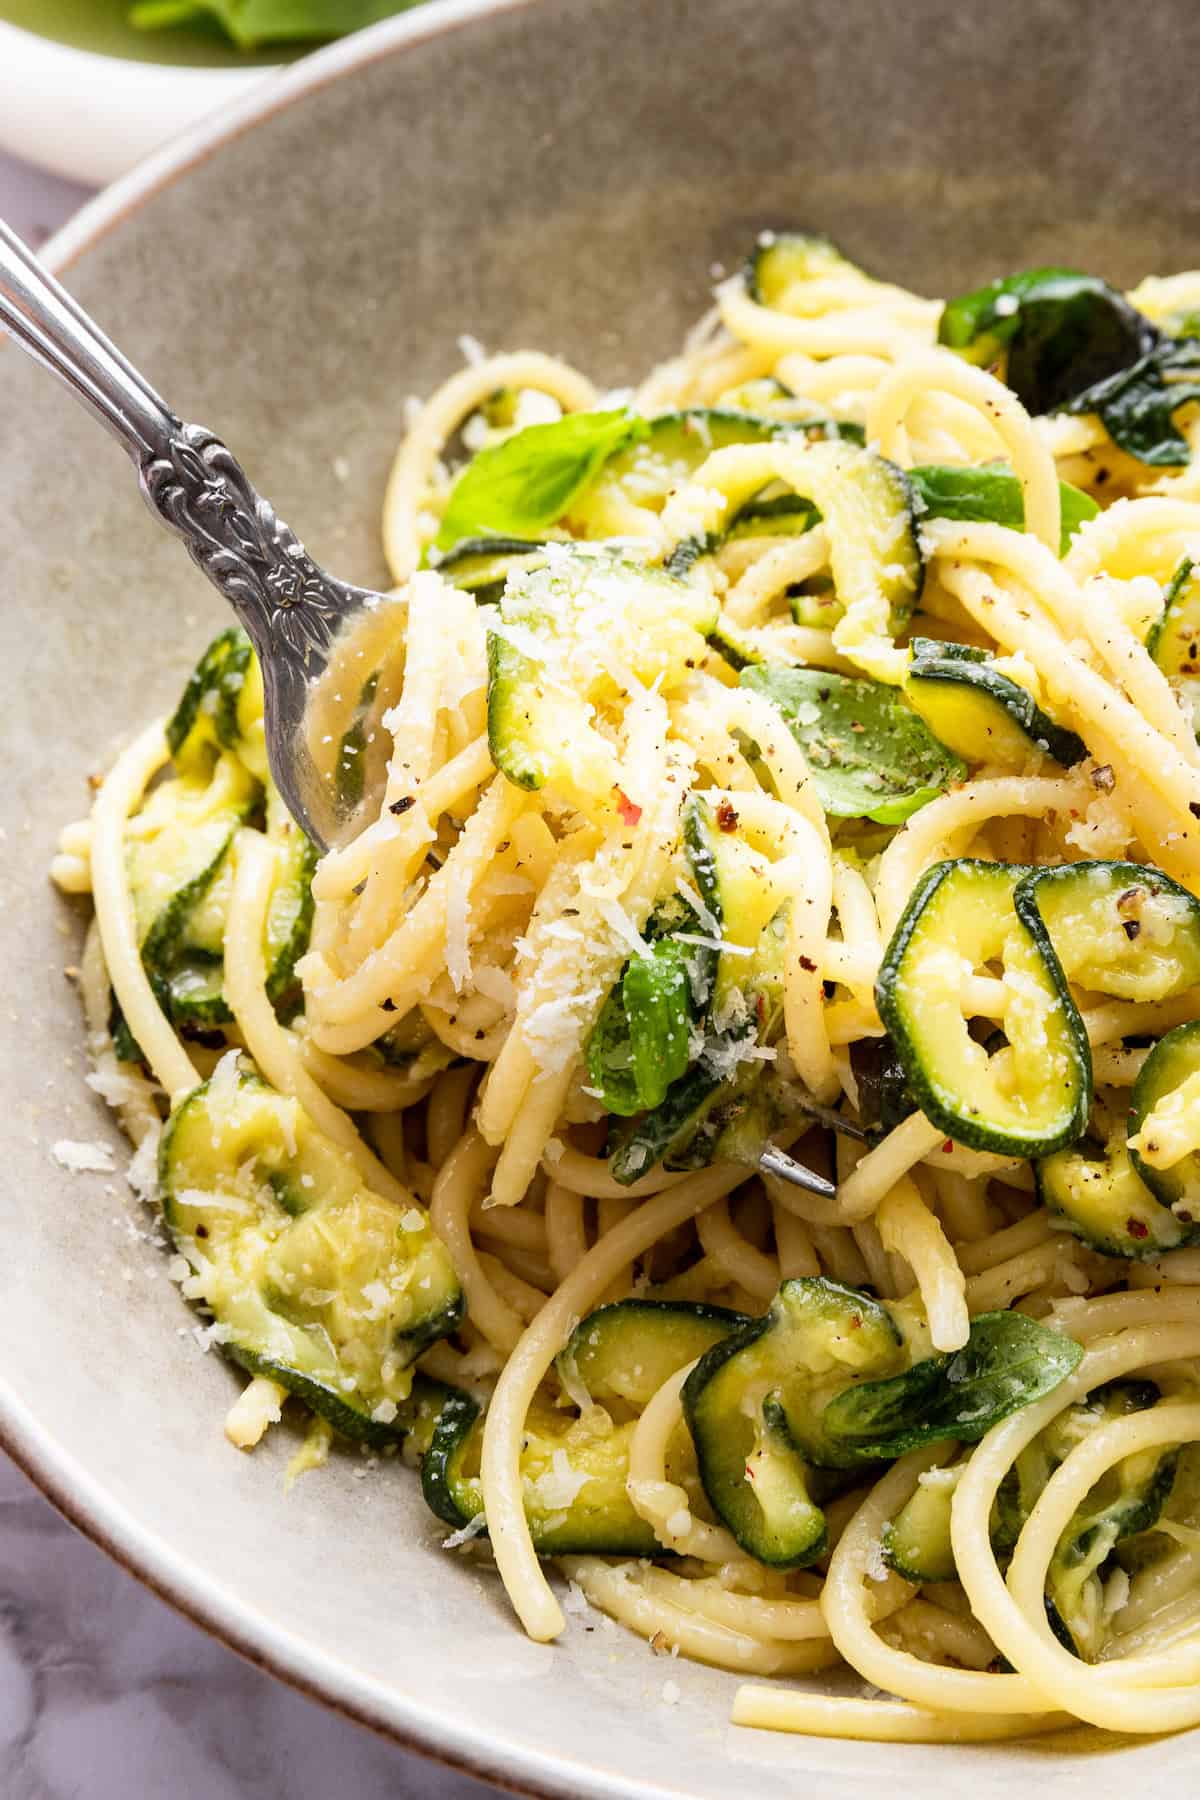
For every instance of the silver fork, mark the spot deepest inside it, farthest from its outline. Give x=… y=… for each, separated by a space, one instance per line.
x=318 y=640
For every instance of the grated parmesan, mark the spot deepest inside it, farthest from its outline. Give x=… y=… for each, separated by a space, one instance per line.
x=83 y=1159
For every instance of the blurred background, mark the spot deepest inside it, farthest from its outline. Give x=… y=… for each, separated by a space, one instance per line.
x=104 y=1691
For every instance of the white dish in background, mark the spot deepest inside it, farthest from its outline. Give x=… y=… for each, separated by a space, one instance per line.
x=92 y=117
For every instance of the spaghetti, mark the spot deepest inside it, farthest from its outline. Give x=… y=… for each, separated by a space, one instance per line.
x=800 y=749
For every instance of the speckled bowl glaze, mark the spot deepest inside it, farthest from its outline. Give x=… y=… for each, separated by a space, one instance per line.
x=561 y=173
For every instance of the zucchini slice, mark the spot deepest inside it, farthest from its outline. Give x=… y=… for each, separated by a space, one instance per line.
x=782 y=264
x=751 y=1402
x=1174 y=639
x=833 y=1379
x=310 y=1277
x=221 y=709
x=563 y=627
x=981 y=714
x=573 y=1478
x=767 y=398
x=1031 y=1096
x=1117 y=927
x=640 y=478
x=1126 y=1501
x=1165 y=1106
x=869 y=510
x=916 y=1543
x=481 y=566
x=871 y=756
x=1096 y=1192
x=622 y=1353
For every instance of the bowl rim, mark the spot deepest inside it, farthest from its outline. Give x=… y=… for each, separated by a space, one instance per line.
x=46 y=1460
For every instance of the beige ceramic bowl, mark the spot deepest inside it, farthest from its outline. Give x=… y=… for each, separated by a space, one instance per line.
x=561 y=173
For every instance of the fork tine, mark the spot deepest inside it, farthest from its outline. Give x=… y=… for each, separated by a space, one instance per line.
x=774 y=1161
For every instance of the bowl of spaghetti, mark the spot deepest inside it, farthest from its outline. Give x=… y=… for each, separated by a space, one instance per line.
x=789 y=744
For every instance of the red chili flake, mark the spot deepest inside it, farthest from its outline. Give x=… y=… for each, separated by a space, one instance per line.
x=948 y=1146
x=855 y=1321
x=629 y=811
x=727 y=817
x=761 y=1006
x=1137 y=1228
x=808 y=965
x=749 y=1473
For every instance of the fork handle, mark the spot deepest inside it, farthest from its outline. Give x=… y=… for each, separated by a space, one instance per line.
x=190 y=480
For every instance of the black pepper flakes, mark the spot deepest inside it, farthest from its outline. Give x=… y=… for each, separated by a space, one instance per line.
x=404 y=804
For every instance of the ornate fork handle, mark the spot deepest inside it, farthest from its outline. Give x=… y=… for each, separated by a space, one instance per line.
x=199 y=489
x=289 y=605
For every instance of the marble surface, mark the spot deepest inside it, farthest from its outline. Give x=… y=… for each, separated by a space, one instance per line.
x=105 y=1693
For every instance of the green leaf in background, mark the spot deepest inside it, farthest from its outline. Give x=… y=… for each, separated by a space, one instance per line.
x=1008 y=1361
x=253 y=22
x=1137 y=406
x=1062 y=332
x=523 y=485
x=993 y=495
x=870 y=755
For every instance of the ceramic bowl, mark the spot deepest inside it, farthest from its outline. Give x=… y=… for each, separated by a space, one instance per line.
x=562 y=173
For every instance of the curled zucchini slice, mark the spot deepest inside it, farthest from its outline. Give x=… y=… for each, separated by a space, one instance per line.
x=1095 y=1191
x=1164 y=1120
x=1127 y=1501
x=831 y=1379
x=310 y=1277
x=981 y=713
x=782 y=264
x=869 y=511
x=1174 y=639
x=1117 y=927
x=1030 y=1096
x=481 y=566
x=221 y=709
x=639 y=479
x=622 y=1353
x=573 y=1475
x=916 y=1543
x=753 y=1403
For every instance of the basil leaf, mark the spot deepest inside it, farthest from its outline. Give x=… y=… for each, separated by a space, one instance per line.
x=657 y=997
x=993 y=495
x=1008 y=1361
x=870 y=755
x=253 y=22
x=525 y=484
x=1062 y=332
x=1137 y=406
x=640 y=1043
